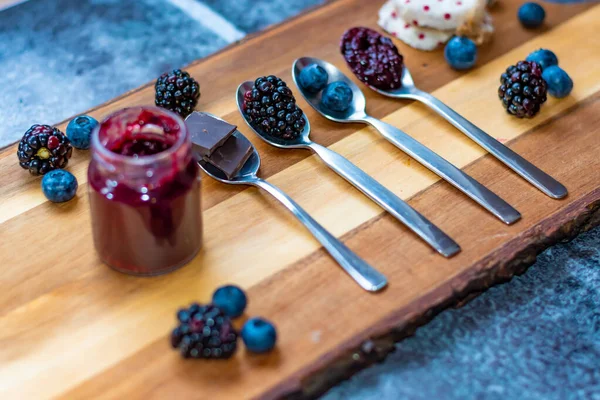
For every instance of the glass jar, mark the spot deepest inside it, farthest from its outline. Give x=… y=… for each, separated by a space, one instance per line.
x=144 y=190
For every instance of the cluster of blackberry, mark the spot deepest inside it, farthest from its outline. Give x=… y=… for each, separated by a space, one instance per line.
x=44 y=148
x=270 y=107
x=177 y=91
x=204 y=332
x=523 y=89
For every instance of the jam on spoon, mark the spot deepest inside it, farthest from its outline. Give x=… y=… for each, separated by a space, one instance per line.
x=373 y=58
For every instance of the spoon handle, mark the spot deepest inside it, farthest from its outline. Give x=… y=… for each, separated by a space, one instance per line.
x=410 y=217
x=521 y=166
x=365 y=275
x=475 y=190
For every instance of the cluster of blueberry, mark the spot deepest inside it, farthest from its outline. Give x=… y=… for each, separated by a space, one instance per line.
x=206 y=331
x=336 y=96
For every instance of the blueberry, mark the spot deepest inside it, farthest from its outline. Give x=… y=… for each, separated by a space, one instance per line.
x=231 y=300
x=337 y=96
x=544 y=57
x=460 y=53
x=259 y=335
x=79 y=131
x=313 y=78
x=59 y=186
x=531 y=15
x=559 y=82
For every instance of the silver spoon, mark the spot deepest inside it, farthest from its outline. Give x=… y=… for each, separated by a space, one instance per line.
x=512 y=160
x=356 y=113
x=430 y=233
x=366 y=276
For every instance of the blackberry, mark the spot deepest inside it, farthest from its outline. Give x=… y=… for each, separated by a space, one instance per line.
x=44 y=148
x=523 y=89
x=177 y=91
x=204 y=331
x=271 y=108
x=373 y=58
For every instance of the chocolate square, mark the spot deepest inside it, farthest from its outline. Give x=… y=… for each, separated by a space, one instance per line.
x=232 y=156
x=207 y=132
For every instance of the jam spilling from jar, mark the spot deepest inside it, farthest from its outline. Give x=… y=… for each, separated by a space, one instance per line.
x=145 y=206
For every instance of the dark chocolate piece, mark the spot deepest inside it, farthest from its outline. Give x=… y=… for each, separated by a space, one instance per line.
x=232 y=156
x=207 y=132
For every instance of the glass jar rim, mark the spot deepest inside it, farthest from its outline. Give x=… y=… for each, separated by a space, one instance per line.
x=107 y=154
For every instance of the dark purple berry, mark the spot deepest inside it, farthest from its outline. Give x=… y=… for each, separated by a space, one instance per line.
x=523 y=90
x=44 y=148
x=276 y=113
x=177 y=91
x=373 y=58
x=204 y=332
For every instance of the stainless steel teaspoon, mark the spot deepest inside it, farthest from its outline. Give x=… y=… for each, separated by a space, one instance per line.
x=512 y=160
x=356 y=113
x=430 y=233
x=365 y=275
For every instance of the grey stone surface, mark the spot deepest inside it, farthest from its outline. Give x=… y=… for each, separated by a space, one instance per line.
x=62 y=57
x=254 y=15
x=537 y=337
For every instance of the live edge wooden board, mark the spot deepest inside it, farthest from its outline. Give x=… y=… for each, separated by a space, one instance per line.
x=72 y=328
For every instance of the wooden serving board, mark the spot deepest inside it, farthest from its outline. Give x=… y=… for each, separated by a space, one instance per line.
x=73 y=328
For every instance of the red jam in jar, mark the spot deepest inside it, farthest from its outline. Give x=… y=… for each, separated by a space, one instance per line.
x=144 y=192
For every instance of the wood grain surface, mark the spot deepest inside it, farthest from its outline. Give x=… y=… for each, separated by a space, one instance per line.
x=73 y=328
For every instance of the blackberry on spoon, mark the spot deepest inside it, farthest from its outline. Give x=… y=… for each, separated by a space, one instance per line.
x=270 y=106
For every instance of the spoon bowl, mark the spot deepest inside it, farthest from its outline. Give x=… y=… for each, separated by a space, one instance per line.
x=408 y=90
x=300 y=142
x=248 y=173
x=355 y=113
